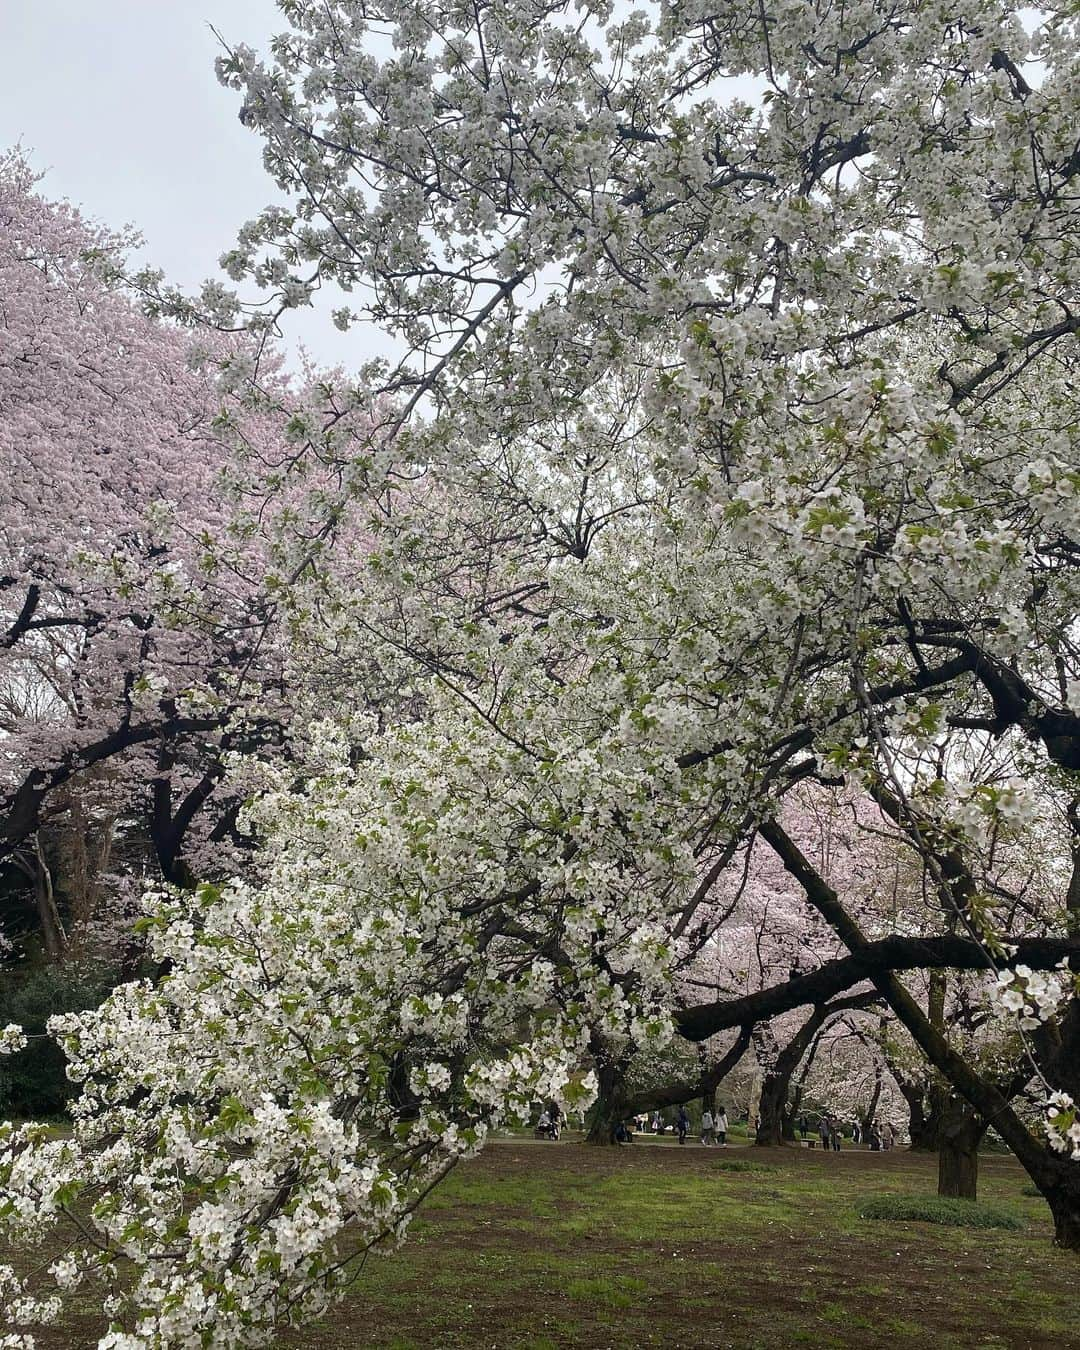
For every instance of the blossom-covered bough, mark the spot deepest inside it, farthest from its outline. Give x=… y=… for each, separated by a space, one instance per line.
x=735 y=447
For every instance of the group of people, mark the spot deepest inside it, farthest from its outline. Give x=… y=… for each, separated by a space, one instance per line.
x=655 y=1124
x=830 y=1132
x=714 y=1126
x=878 y=1137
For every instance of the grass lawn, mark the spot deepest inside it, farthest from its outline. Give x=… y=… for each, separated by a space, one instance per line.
x=538 y=1245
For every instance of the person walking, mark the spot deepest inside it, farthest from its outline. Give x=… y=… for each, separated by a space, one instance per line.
x=707 y=1127
x=803 y=1124
x=823 y=1132
x=682 y=1123
x=834 y=1135
x=721 y=1127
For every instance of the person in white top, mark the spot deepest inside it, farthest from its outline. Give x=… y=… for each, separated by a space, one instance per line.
x=721 y=1127
x=707 y=1127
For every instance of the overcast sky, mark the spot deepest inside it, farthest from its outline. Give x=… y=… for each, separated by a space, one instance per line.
x=117 y=101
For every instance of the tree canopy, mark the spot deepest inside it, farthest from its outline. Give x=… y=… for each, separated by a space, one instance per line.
x=732 y=455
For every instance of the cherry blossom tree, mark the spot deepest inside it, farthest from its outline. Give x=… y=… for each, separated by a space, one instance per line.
x=132 y=611
x=752 y=427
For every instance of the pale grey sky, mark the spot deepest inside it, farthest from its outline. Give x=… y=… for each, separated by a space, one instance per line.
x=117 y=101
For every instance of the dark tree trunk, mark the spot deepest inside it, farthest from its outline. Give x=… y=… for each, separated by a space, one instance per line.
x=925 y=1103
x=610 y=1105
x=770 y=1130
x=958 y=1168
x=958 y=1151
x=794 y=1107
x=871 y=1111
x=1065 y=1207
x=52 y=929
x=1058 y=1179
x=920 y=1125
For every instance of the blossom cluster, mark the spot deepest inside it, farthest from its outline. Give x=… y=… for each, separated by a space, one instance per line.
x=12 y=1039
x=1062 y=1125
x=1034 y=996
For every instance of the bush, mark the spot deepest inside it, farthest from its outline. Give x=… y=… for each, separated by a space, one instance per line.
x=938 y=1209
x=34 y=1083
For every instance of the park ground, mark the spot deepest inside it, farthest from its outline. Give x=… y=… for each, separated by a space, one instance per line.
x=540 y=1246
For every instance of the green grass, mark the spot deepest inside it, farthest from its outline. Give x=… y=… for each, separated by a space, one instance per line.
x=938 y=1209
x=556 y=1247
x=647 y=1246
x=740 y=1165
x=613 y=1291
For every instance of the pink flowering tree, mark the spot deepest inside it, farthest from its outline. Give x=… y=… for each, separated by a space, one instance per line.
x=134 y=628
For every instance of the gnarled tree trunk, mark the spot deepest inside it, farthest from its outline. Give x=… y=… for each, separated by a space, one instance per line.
x=610 y=1106
x=961 y=1133
x=925 y=1103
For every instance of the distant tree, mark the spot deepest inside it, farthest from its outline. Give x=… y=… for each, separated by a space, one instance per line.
x=134 y=624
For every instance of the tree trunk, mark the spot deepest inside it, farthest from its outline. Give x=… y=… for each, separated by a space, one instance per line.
x=958 y=1151
x=610 y=1104
x=958 y=1168
x=870 y=1113
x=1065 y=1207
x=924 y=1117
x=921 y=1127
x=770 y=1130
x=1058 y=1179
x=798 y=1090
x=52 y=929
x=926 y=1103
